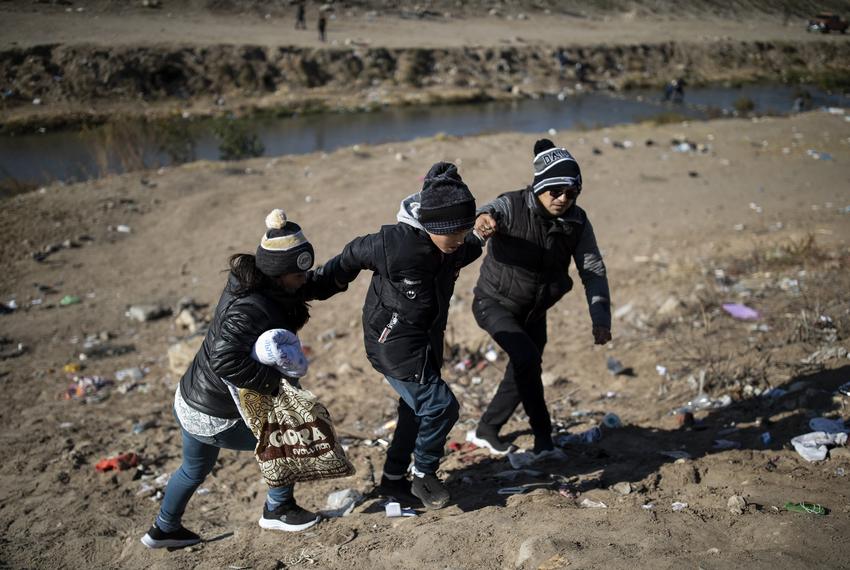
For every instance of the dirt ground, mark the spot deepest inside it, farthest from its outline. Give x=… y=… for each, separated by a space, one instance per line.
x=754 y=212
x=26 y=24
x=754 y=219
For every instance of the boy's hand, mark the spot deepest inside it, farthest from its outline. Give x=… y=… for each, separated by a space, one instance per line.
x=485 y=225
x=601 y=335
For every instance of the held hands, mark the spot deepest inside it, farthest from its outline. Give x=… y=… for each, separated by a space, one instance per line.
x=601 y=335
x=281 y=349
x=485 y=226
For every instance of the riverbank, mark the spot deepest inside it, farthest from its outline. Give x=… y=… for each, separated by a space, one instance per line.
x=746 y=215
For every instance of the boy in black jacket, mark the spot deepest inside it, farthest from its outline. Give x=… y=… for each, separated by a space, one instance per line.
x=414 y=266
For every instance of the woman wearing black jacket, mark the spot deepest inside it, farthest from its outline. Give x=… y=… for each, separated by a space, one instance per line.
x=265 y=291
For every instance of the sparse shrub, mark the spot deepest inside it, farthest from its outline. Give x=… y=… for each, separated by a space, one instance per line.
x=744 y=105
x=236 y=141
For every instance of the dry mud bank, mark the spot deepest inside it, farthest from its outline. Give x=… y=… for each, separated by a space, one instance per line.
x=750 y=218
x=73 y=83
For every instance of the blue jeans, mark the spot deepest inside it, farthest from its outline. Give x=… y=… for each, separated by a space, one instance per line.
x=426 y=414
x=199 y=457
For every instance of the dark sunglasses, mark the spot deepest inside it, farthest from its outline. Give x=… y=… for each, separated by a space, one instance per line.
x=572 y=193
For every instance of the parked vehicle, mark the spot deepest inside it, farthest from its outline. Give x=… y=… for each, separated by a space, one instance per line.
x=826 y=22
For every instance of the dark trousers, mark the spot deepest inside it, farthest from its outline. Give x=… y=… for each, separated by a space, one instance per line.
x=523 y=342
x=426 y=414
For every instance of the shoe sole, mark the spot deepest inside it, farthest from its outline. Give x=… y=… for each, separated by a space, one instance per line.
x=484 y=444
x=152 y=543
x=274 y=524
x=432 y=506
x=404 y=499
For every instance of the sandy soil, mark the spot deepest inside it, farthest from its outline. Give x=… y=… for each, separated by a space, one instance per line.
x=665 y=220
x=26 y=25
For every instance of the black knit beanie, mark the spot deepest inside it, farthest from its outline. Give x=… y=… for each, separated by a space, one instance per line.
x=283 y=248
x=554 y=167
x=445 y=204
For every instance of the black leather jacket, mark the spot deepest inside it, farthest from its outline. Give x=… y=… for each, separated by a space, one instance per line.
x=407 y=305
x=226 y=352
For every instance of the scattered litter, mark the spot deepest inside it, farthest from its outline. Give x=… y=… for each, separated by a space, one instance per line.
x=71 y=368
x=123 y=229
x=705 y=402
x=142 y=426
x=726 y=444
x=812 y=446
x=685 y=419
x=808 y=508
x=741 y=312
x=203 y=491
x=662 y=370
x=521 y=459
x=341 y=503
x=491 y=355
x=648 y=506
x=88 y=388
x=827 y=425
x=825 y=354
x=522 y=489
x=612 y=420
x=675 y=454
x=591 y=504
x=818 y=155
x=774 y=393
x=844 y=389
x=394 y=510
x=144 y=313
x=587 y=437
x=766 y=438
x=615 y=367
x=513 y=474
x=679 y=506
x=125 y=374
x=840 y=472
x=70 y=300
x=736 y=504
x=120 y=462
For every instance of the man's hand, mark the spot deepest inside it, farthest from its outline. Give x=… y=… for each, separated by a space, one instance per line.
x=485 y=225
x=601 y=335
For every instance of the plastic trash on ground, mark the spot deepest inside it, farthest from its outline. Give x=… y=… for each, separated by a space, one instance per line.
x=393 y=510
x=827 y=425
x=812 y=446
x=741 y=312
x=591 y=504
x=592 y=435
x=808 y=508
x=341 y=503
x=679 y=506
x=119 y=462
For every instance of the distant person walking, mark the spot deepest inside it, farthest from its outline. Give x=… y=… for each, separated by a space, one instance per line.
x=674 y=91
x=323 y=24
x=536 y=233
x=300 y=17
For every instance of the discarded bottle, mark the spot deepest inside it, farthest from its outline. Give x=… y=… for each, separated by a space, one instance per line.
x=612 y=421
x=809 y=508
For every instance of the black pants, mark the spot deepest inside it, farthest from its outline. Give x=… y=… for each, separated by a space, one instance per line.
x=522 y=384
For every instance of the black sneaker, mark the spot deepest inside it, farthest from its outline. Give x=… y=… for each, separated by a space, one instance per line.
x=180 y=538
x=431 y=491
x=489 y=441
x=398 y=489
x=543 y=445
x=288 y=517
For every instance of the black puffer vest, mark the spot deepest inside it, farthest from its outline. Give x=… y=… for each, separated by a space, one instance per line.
x=527 y=266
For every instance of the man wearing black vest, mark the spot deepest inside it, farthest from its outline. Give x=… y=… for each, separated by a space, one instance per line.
x=534 y=233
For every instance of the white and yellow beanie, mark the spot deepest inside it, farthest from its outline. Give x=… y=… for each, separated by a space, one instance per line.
x=283 y=247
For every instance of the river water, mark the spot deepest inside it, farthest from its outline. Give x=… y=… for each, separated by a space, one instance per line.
x=79 y=155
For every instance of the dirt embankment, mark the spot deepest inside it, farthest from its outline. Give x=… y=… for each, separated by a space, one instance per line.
x=293 y=79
